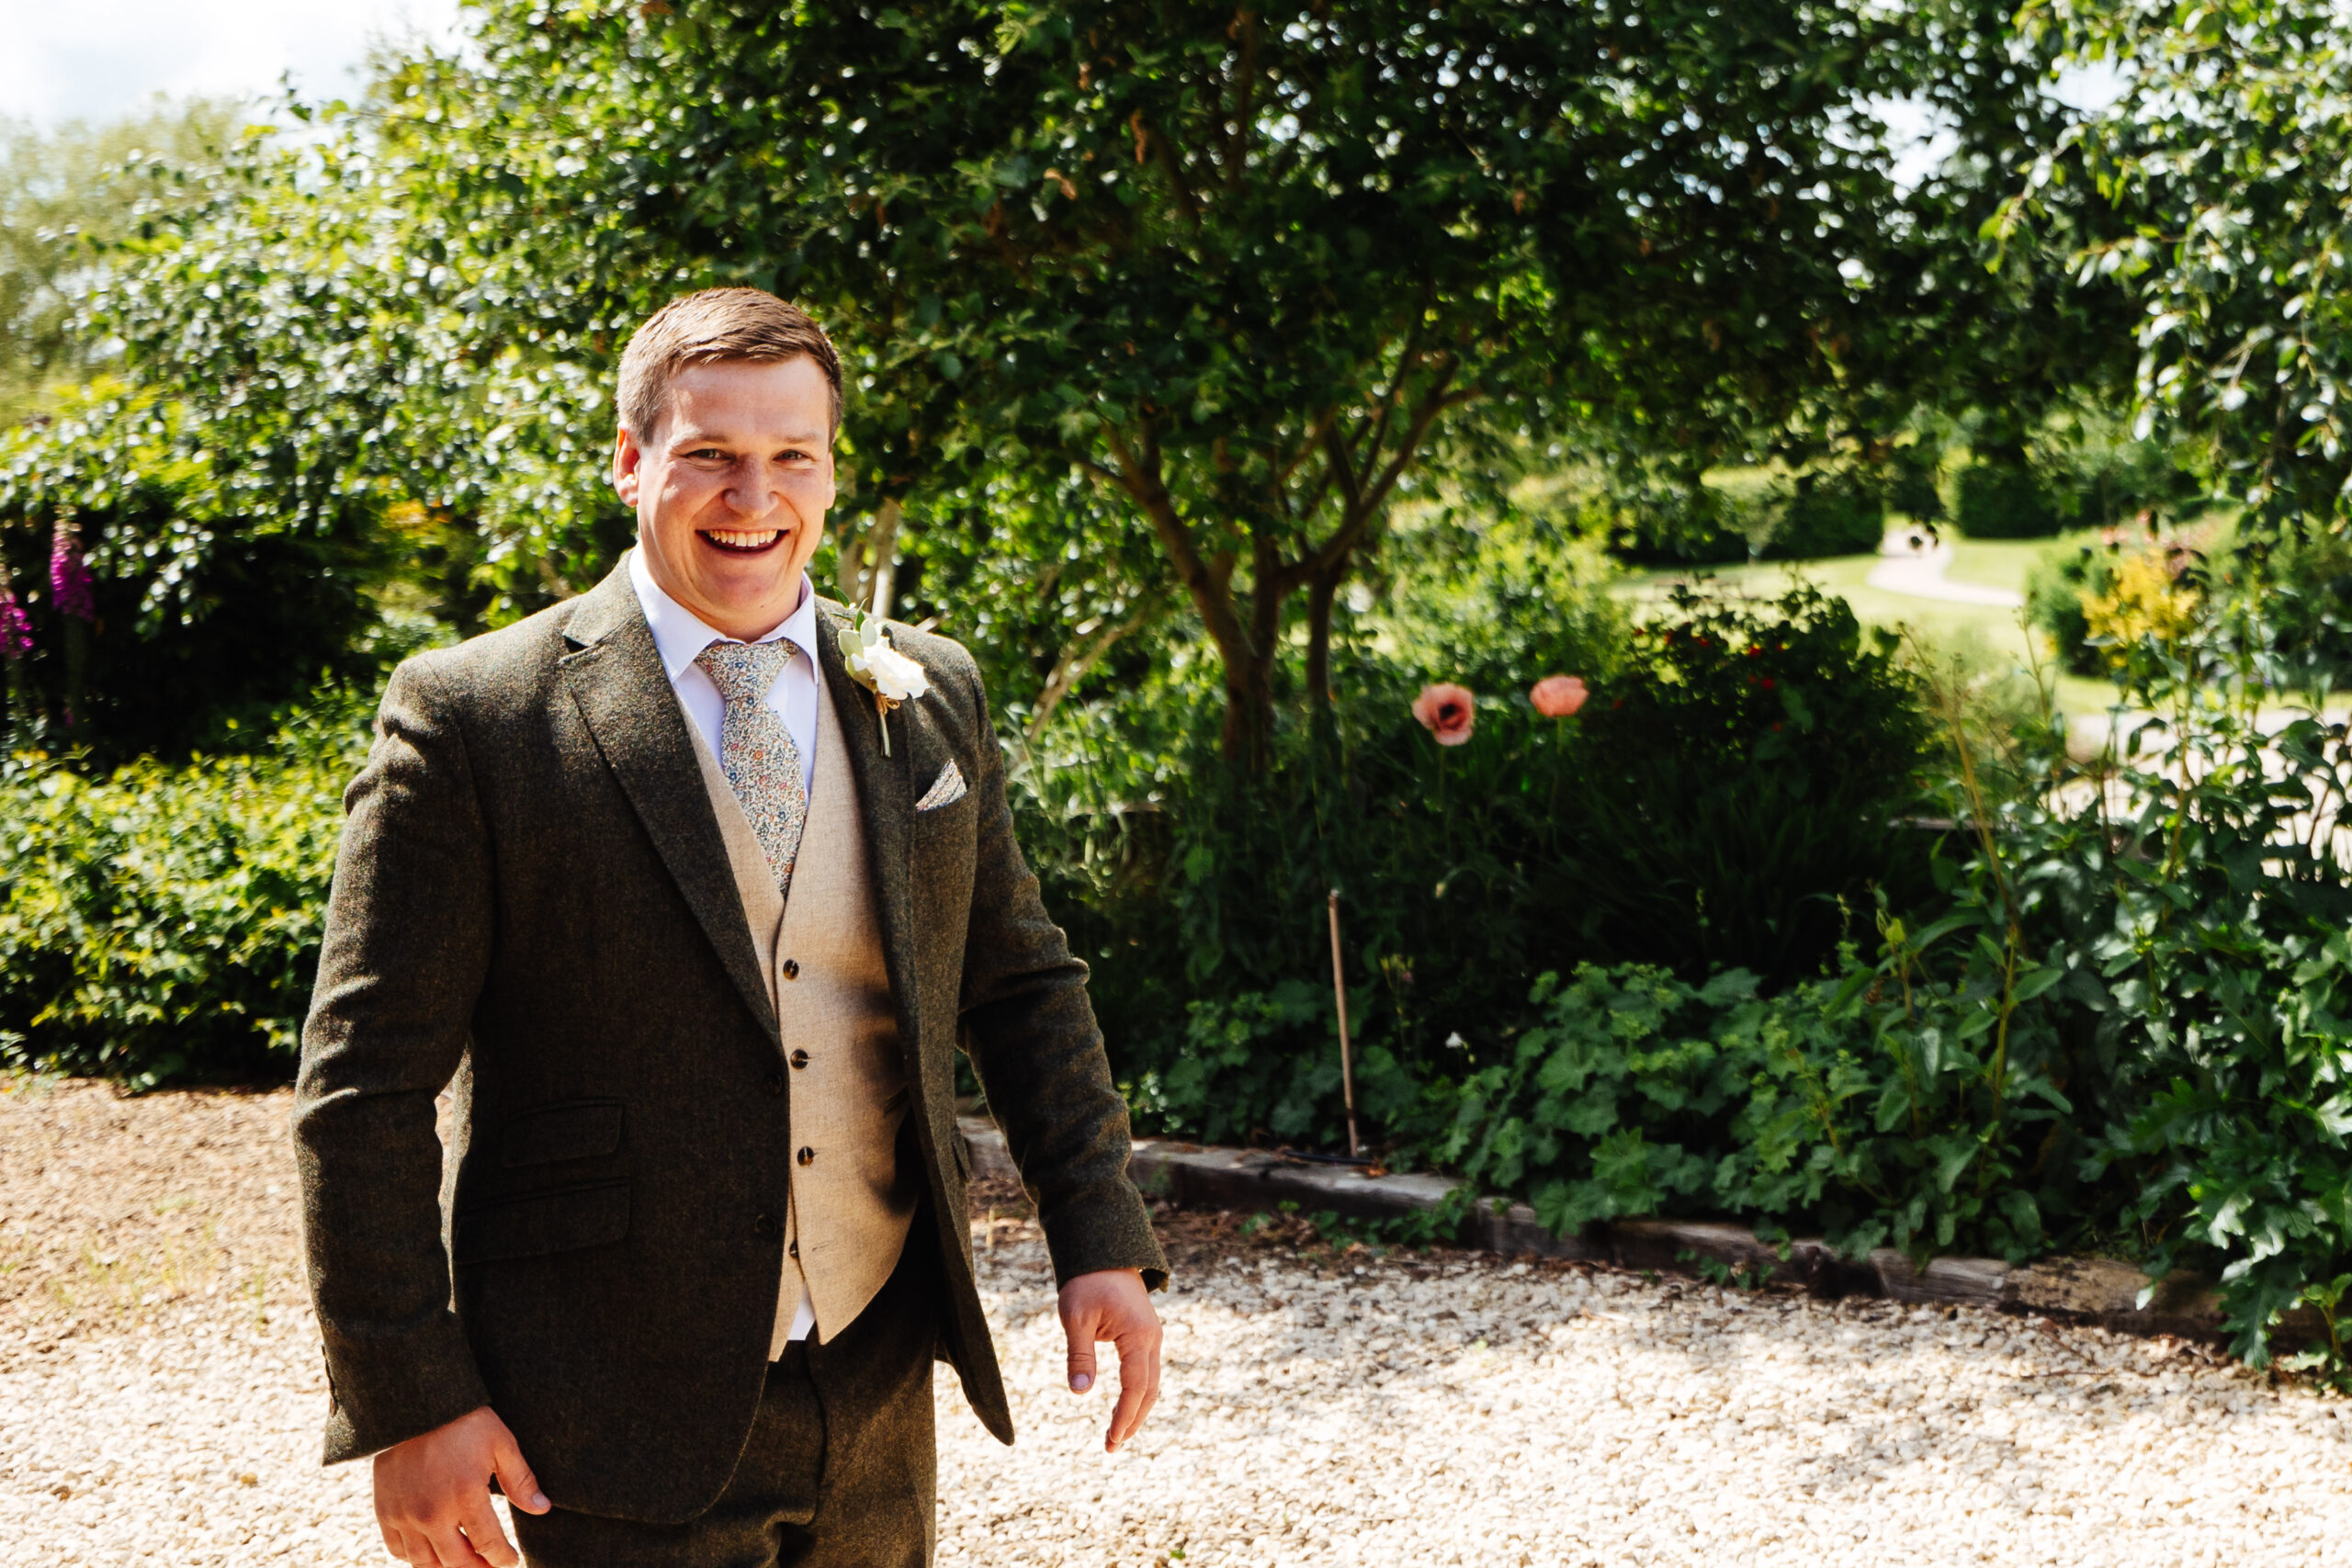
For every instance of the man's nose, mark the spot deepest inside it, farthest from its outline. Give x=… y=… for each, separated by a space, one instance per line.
x=756 y=488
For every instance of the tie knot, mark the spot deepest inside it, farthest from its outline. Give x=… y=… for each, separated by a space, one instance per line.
x=744 y=671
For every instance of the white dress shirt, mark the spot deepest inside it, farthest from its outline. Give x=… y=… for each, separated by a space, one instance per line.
x=680 y=635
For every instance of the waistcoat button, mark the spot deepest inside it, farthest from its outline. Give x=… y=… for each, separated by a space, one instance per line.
x=765 y=1228
x=793 y=1249
x=800 y=1058
x=808 y=1156
x=792 y=968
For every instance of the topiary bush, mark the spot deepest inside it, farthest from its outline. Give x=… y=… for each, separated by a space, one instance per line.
x=2001 y=501
x=1829 y=514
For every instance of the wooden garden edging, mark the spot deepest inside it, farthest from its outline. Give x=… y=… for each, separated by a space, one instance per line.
x=2092 y=1290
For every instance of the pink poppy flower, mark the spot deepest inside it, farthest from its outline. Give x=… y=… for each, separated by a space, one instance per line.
x=1558 y=697
x=1447 y=711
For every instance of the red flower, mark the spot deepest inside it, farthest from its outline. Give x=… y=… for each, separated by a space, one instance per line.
x=1447 y=711
x=1558 y=697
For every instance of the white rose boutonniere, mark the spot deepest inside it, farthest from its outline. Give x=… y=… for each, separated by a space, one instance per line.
x=890 y=675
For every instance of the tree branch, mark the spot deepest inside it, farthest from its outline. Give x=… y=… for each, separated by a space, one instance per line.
x=1365 y=503
x=1165 y=151
x=1209 y=588
x=1436 y=403
x=1078 y=659
x=1236 y=144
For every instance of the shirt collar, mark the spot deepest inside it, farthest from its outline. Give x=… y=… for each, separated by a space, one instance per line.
x=680 y=634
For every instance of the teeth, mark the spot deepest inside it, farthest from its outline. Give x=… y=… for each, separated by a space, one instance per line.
x=744 y=541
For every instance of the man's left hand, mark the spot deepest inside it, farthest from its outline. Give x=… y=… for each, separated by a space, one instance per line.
x=1113 y=1305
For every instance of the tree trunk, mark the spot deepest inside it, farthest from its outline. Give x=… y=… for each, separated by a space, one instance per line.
x=868 y=561
x=1249 y=738
x=1321 y=590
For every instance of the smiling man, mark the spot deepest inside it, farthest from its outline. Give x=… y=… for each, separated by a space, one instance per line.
x=643 y=880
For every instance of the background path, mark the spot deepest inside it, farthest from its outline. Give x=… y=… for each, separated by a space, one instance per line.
x=1918 y=572
x=1323 y=1407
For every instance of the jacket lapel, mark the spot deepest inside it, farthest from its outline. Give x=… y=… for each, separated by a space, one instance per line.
x=624 y=696
x=885 y=807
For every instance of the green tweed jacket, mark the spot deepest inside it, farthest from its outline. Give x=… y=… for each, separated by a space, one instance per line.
x=533 y=902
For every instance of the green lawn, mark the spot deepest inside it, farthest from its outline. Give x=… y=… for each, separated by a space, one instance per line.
x=1983 y=633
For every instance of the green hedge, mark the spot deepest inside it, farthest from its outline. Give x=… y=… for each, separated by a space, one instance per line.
x=1999 y=501
x=161 y=922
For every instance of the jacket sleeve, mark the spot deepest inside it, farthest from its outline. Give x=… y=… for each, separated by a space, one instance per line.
x=404 y=953
x=1039 y=1052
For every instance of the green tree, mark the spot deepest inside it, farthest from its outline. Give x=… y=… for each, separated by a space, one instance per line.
x=63 y=193
x=1259 y=273
x=2213 y=190
x=230 y=473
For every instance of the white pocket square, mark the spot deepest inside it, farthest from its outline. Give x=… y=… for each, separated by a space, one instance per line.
x=945 y=790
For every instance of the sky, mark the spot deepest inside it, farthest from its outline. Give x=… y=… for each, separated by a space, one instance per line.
x=95 y=60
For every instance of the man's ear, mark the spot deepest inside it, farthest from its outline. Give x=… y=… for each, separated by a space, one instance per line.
x=628 y=458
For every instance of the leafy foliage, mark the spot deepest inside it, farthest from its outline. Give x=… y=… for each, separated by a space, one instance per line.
x=63 y=194
x=233 y=485
x=2129 y=1028
x=1995 y=500
x=1704 y=809
x=163 y=923
x=1737 y=790
x=2210 y=195
x=1257 y=274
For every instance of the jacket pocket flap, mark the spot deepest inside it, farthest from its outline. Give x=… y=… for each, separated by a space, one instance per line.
x=576 y=1130
x=551 y=1221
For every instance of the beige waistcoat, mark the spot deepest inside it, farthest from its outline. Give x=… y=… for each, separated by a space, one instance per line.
x=820 y=949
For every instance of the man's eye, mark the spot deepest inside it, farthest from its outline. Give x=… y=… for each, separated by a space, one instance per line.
x=707 y=455
x=793 y=455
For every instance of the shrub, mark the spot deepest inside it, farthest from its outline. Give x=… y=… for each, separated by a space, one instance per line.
x=2303 y=577
x=2003 y=501
x=2130 y=1027
x=162 y=923
x=1858 y=1106
x=2054 y=603
x=1711 y=805
x=1736 y=793
x=1829 y=514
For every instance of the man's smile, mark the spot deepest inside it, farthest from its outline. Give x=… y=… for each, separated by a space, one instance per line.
x=742 y=542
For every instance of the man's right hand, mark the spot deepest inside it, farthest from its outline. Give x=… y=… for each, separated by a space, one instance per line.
x=432 y=1494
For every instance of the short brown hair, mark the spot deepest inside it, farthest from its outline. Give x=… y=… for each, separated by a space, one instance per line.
x=711 y=328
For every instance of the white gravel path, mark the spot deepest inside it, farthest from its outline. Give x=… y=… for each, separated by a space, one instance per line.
x=1358 y=1411
x=1920 y=573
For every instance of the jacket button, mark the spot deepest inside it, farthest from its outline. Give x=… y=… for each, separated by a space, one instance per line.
x=765 y=1228
x=792 y=968
x=808 y=1156
x=800 y=1058
x=776 y=1083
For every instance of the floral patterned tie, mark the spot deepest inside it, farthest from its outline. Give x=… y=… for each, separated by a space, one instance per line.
x=756 y=750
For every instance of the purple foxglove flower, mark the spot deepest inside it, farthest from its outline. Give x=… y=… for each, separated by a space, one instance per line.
x=16 y=626
x=69 y=575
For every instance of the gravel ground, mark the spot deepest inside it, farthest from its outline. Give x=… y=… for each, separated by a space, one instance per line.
x=1322 y=1407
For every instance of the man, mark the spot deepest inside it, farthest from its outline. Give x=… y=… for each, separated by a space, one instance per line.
x=693 y=920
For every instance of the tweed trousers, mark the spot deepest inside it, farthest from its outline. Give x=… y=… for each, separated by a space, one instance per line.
x=841 y=1471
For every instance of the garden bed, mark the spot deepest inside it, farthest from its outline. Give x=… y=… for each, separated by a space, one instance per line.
x=2091 y=1290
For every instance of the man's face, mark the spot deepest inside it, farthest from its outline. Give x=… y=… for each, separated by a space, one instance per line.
x=731 y=488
